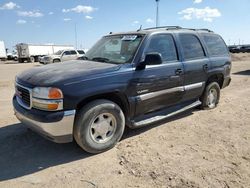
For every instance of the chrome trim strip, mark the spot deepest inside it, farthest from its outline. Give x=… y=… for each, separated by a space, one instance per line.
x=193 y=86
x=20 y=100
x=150 y=95
x=69 y=112
x=158 y=93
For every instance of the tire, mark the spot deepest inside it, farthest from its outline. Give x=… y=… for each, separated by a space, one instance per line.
x=211 y=96
x=99 y=126
x=20 y=60
x=32 y=60
x=56 y=61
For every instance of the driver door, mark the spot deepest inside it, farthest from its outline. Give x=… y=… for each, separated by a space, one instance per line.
x=159 y=86
x=66 y=56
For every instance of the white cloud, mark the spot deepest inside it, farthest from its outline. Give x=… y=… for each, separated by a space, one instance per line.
x=34 y=13
x=80 y=9
x=197 y=1
x=149 y=20
x=89 y=17
x=51 y=13
x=66 y=19
x=21 y=22
x=207 y=14
x=9 y=6
x=135 y=22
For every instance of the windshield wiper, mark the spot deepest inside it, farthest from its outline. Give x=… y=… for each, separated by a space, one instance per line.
x=101 y=59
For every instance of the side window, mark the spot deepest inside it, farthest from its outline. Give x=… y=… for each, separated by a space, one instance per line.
x=80 y=51
x=191 y=46
x=66 y=53
x=165 y=45
x=215 y=45
x=73 y=52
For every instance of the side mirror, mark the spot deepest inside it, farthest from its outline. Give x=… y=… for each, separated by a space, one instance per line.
x=153 y=58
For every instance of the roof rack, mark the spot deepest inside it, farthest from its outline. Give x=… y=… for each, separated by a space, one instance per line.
x=177 y=27
x=208 y=30
x=164 y=27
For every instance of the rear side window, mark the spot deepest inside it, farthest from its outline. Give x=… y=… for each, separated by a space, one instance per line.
x=191 y=46
x=73 y=52
x=66 y=53
x=165 y=45
x=80 y=51
x=215 y=45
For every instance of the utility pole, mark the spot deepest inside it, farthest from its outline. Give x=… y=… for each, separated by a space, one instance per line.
x=75 y=37
x=157 y=13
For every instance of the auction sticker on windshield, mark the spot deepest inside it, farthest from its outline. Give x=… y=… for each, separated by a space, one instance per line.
x=129 y=37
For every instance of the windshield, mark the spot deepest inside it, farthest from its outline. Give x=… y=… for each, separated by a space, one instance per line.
x=115 y=49
x=59 y=52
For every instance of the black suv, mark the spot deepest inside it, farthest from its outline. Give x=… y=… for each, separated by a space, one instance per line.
x=131 y=78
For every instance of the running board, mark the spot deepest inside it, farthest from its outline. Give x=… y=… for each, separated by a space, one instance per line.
x=163 y=116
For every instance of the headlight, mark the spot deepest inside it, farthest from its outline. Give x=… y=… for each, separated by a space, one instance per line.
x=47 y=98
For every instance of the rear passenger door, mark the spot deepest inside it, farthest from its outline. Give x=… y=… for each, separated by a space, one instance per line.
x=196 y=65
x=73 y=55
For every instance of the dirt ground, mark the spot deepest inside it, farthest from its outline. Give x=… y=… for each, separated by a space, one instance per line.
x=196 y=149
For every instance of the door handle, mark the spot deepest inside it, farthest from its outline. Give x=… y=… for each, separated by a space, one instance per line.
x=178 y=71
x=205 y=67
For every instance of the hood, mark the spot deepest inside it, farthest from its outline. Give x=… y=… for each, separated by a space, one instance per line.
x=61 y=73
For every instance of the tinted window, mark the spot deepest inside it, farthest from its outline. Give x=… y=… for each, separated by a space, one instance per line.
x=73 y=52
x=191 y=45
x=66 y=53
x=163 y=44
x=80 y=51
x=215 y=45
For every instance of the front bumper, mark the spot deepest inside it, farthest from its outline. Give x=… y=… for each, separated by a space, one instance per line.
x=55 y=126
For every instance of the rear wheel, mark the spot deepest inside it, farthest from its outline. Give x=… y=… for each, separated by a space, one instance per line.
x=211 y=96
x=99 y=126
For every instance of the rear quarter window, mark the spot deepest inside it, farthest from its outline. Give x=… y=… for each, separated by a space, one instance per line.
x=192 y=48
x=215 y=45
x=73 y=52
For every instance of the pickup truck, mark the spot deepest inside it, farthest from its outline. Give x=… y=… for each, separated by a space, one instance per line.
x=130 y=78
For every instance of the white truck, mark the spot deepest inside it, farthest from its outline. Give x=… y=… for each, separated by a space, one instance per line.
x=3 y=55
x=32 y=52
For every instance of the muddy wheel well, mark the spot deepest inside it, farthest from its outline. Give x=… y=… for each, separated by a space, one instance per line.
x=216 y=78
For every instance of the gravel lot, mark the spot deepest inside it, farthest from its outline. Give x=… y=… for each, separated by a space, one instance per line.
x=196 y=149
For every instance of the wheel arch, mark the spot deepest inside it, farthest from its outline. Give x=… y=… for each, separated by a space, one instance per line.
x=56 y=59
x=216 y=77
x=116 y=97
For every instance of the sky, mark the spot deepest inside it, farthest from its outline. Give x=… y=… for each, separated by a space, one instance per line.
x=55 y=21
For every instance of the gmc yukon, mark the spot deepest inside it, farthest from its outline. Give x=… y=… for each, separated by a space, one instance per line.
x=131 y=78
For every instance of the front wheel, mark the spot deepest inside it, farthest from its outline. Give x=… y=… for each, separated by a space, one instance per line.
x=211 y=96
x=99 y=126
x=56 y=61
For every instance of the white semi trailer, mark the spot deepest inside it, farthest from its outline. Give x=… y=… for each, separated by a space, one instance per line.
x=32 y=52
x=3 y=55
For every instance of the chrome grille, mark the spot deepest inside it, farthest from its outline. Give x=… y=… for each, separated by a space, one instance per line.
x=23 y=95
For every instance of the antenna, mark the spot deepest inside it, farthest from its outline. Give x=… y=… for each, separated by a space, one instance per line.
x=139 y=28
